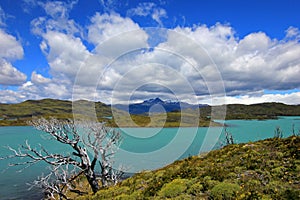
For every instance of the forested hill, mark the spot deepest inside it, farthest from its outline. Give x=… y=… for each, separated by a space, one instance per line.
x=18 y=114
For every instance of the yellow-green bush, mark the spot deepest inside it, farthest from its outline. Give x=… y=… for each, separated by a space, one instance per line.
x=225 y=191
x=195 y=189
x=174 y=188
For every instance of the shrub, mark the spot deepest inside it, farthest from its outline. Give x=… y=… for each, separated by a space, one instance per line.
x=195 y=189
x=111 y=192
x=291 y=194
x=208 y=183
x=174 y=188
x=225 y=191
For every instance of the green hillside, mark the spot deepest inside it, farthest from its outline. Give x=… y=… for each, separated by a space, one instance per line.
x=267 y=169
x=254 y=111
x=19 y=114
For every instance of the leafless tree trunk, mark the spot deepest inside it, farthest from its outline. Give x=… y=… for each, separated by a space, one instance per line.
x=91 y=142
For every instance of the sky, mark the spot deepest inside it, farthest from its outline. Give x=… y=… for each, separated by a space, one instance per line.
x=196 y=51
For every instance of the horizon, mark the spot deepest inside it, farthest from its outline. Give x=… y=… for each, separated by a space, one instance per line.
x=164 y=100
x=199 y=52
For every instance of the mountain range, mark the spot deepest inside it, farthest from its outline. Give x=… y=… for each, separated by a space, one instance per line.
x=156 y=105
x=20 y=113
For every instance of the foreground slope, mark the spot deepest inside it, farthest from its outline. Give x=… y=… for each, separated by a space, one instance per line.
x=267 y=169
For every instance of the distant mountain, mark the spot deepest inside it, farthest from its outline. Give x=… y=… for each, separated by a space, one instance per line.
x=156 y=106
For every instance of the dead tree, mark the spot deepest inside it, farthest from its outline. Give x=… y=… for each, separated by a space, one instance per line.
x=228 y=137
x=91 y=143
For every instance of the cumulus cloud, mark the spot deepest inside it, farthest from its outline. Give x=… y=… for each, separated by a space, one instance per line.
x=190 y=64
x=292 y=98
x=106 y=26
x=39 y=79
x=10 y=49
x=249 y=64
x=202 y=58
x=9 y=75
x=10 y=96
x=65 y=53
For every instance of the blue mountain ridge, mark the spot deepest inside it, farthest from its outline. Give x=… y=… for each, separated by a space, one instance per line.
x=156 y=105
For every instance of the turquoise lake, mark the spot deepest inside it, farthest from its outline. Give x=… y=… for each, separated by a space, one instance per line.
x=142 y=148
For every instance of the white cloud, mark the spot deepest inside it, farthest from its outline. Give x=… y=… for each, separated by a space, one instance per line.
x=292 y=99
x=143 y=9
x=158 y=14
x=39 y=79
x=254 y=43
x=9 y=96
x=106 y=26
x=9 y=75
x=10 y=48
x=252 y=63
x=65 y=53
x=58 y=9
x=246 y=65
x=42 y=25
x=57 y=18
x=293 y=32
x=149 y=9
x=199 y=60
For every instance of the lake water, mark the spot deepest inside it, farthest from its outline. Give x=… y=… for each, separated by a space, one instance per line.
x=142 y=148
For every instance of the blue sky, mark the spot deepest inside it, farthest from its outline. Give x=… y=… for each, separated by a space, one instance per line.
x=100 y=50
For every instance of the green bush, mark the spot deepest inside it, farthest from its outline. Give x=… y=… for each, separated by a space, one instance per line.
x=225 y=191
x=111 y=192
x=290 y=194
x=174 y=188
x=195 y=189
x=208 y=183
x=124 y=197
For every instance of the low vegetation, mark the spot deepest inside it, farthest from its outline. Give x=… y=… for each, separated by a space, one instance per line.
x=267 y=169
